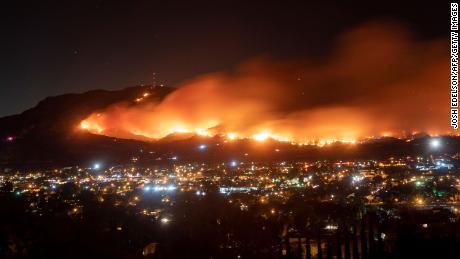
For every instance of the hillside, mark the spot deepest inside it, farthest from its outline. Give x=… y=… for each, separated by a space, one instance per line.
x=49 y=135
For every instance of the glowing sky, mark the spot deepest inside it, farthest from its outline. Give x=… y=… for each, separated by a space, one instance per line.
x=56 y=47
x=378 y=80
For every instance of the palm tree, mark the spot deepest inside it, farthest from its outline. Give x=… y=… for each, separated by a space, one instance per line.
x=318 y=243
x=337 y=244
x=355 y=243
x=288 y=247
x=372 y=251
x=363 y=239
x=299 y=247
x=328 y=249
x=347 y=243
x=307 y=246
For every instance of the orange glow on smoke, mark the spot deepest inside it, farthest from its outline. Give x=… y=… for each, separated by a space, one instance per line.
x=377 y=82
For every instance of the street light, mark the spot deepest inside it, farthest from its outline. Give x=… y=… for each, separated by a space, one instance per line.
x=435 y=143
x=96 y=166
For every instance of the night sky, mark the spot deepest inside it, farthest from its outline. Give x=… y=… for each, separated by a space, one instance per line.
x=55 y=48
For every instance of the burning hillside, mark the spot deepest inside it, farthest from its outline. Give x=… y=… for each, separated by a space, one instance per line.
x=377 y=81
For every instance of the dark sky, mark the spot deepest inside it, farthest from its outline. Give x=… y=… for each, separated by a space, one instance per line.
x=74 y=46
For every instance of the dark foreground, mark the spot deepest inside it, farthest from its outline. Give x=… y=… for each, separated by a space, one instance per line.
x=211 y=227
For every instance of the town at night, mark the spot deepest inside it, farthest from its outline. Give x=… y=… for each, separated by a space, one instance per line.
x=290 y=130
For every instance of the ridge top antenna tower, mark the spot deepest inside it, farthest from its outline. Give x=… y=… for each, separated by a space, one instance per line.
x=154 y=80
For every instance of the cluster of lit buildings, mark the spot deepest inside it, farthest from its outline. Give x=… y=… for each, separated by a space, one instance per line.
x=406 y=181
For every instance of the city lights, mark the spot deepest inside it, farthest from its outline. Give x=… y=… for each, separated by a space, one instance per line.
x=200 y=193
x=160 y=188
x=357 y=178
x=253 y=185
x=435 y=143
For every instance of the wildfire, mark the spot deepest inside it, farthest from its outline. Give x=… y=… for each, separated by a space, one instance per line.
x=86 y=125
x=232 y=135
x=359 y=92
x=259 y=137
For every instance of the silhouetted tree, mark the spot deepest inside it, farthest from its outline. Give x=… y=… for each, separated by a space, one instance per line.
x=363 y=239
x=318 y=243
x=355 y=243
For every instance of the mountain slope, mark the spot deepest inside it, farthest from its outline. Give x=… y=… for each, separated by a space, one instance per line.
x=47 y=133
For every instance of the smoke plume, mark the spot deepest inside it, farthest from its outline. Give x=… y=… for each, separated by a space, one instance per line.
x=378 y=80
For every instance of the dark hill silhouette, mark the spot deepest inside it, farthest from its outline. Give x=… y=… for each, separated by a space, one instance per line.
x=46 y=135
x=59 y=113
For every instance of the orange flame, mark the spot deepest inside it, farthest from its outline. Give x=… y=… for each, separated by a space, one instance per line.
x=377 y=82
